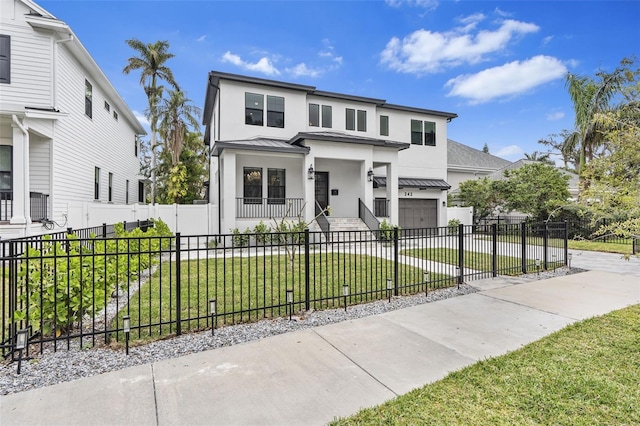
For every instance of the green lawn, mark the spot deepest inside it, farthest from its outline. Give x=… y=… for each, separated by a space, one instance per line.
x=476 y=260
x=243 y=286
x=585 y=374
x=600 y=246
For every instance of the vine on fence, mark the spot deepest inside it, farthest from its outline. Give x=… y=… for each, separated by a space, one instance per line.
x=65 y=280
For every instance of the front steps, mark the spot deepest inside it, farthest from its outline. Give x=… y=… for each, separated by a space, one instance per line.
x=344 y=229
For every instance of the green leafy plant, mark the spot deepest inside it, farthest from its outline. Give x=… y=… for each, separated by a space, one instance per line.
x=262 y=233
x=386 y=231
x=453 y=225
x=240 y=239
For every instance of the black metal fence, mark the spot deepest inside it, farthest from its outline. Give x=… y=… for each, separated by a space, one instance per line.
x=79 y=291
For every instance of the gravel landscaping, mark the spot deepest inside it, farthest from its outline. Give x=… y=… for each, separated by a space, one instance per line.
x=50 y=367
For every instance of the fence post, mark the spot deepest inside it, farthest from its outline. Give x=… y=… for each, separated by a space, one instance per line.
x=523 y=238
x=460 y=253
x=395 y=260
x=178 y=289
x=566 y=243
x=545 y=245
x=104 y=230
x=13 y=291
x=494 y=250
x=307 y=298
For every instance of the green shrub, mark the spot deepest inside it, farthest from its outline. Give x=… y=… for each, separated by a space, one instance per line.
x=453 y=225
x=262 y=233
x=240 y=239
x=386 y=231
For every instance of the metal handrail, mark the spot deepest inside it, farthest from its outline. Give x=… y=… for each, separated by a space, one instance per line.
x=368 y=217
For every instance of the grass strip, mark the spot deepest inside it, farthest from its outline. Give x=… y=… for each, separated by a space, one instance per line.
x=584 y=374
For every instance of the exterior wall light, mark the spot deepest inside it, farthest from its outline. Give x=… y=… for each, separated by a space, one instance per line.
x=310 y=172
x=370 y=175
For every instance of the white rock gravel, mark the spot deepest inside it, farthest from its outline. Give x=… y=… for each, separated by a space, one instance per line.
x=51 y=367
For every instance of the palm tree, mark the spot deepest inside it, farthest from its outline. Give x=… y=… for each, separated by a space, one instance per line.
x=177 y=116
x=539 y=156
x=152 y=65
x=591 y=98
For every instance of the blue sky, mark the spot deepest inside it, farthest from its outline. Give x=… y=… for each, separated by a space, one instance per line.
x=499 y=65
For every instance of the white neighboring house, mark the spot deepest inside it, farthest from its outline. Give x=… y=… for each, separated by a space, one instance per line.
x=276 y=144
x=66 y=135
x=465 y=163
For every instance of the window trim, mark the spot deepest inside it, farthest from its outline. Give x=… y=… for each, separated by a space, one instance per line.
x=361 y=120
x=88 y=98
x=327 y=116
x=428 y=139
x=384 y=125
x=96 y=183
x=276 y=188
x=258 y=186
x=5 y=78
x=314 y=115
x=416 y=135
x=350 y=119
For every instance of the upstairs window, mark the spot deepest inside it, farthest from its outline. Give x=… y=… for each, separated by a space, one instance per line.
x=107 y=106
x=252 y=182
x=275 y=111
x=314 y=115
x=326 y=116
x=423 y=133
x=276 y=186
x=110 y=187
x=254 y=109
x=115 y=115
x=384 y=125
x=362 y=121
x=5 y=59
x=126 y=192
x=135 y=146
x=350 y=119
x=88 y=99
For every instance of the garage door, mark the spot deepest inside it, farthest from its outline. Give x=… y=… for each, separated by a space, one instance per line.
x=418 y=213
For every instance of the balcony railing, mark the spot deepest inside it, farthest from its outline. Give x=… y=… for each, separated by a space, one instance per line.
x=267 y=208
x=39 y=206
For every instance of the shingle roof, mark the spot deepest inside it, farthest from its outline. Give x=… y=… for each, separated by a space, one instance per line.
x=467 y=157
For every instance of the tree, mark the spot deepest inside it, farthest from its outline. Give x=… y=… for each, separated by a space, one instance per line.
x=481 y=194
x=152 y=65
x=539 y=156
x=535 y=188
x=177 y=117
x=569 y=154
x=591 y=97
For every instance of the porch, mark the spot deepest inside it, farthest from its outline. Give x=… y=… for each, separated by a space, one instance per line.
x=39 y=206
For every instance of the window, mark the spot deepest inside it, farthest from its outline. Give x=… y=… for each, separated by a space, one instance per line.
x=5 y=59
x=362 y=121
x=135 y=146
x=417 y=137
x=6 y=164
x=110 y=187
x=96 y=184
x=88 y=96
x=314 y=115
x=141 y=191
x=326 y=116
x=252 y=185
x=276 y=186
x=126 y=192
x=416 y=132
x=430 y=133
x=351 y=119
x=275 y=111
x=107 y=106
x=115 y=115
x=253 y=109
x=384 y=125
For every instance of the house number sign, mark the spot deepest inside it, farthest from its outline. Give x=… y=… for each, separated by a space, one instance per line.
x=408 y=194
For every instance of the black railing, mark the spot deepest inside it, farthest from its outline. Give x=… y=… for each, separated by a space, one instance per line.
x=39 y=202
x=381 y=207
x=268 y=208
x=165 y=284
x=367 y=216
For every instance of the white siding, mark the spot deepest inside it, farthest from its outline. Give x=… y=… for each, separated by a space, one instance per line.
x=39 y=166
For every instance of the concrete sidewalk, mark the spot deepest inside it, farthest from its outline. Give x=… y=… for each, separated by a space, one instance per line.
x=313 y=376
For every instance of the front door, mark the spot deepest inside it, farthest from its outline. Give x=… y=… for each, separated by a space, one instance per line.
x=322 y=191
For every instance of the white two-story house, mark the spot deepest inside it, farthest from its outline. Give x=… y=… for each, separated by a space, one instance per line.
x=278 y=147
x=66 y=135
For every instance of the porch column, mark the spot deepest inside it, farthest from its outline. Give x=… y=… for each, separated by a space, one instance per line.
x=228 y=195
x=20 y=170
x=392 y=192
x=309 y=188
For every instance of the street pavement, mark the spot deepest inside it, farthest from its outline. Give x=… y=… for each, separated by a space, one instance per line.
x=313 y=376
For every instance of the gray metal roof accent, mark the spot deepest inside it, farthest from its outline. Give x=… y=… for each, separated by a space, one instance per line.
x=346 y=138
x=348 y=97
x=448 y=115
x=464 y=156
x=381 y=182
x=259 y=144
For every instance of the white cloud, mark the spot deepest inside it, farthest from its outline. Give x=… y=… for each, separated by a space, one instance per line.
x=263 y=66
x=511 y=153
x=142 y=119
x=424 y=51
x=201 y=38
x=547 y=40
x=425 y=4
x=555 y=116
x=301 y=70
x=508 y=80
